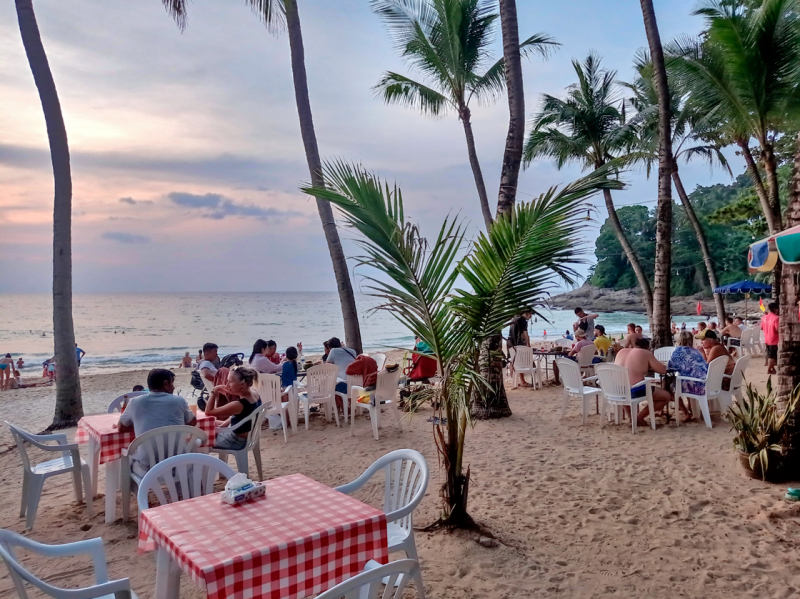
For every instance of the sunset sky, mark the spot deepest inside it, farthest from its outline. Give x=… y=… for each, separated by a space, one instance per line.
x=186 y=150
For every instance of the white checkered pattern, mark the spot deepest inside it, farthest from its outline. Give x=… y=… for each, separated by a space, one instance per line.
x=299 y=540
x=111 y=442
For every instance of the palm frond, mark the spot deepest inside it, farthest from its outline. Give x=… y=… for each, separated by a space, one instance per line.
x=271 y=12
x=394 y=88
x=177 y=10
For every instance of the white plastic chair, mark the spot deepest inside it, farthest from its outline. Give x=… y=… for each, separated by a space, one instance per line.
x=736 y=379
x=406 y=480
x=159 y=444
x=253 y=443
x=585 y=357
x=616 y=386
x=353 y=380
x=116 y=405
x=574 y=386
x=713 y=386
x=184 y=476
x=664 y=354
x=385 y=395
x=745 y=344
x=321 y=389
x=523 y=364
x=367 y=585
x=380 y=360
x=104 y=589
x=34 y=475
x=269 y=390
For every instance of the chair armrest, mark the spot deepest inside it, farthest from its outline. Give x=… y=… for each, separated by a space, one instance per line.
x=61 y=448
x=689 y=378
x=727 y=376
x=590 y=379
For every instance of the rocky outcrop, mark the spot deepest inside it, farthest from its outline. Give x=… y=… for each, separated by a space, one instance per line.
x=596 y=299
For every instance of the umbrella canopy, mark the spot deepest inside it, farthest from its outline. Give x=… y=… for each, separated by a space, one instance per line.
x=744 y=287
x=764 y=254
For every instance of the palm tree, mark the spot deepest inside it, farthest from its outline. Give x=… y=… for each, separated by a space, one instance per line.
x=510 y=266
x=69 y=407
x=446 y=42
x=660 y=327
x=587 y=128
x=687 y=129
x=512 y=155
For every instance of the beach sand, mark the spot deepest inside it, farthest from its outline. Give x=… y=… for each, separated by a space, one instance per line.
x=578 y=511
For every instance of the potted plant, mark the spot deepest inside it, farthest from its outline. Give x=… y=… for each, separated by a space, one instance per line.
x=761 y=431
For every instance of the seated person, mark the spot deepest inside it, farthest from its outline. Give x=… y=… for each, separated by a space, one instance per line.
x=153 y=410
x=687 y=360
x=739 y=322
x=421 y=347
x=582 y=341
x=700 y=333
x=261 y=361
x=639 y=331
x=712 y=326
x=629 y=341
x=713 y=349
x=272 y=352
x=289 y=370
x=601 y=342
x=242 y=402
x=732 y=332
x=640 y=361
x=326 y=350
x=210 y=365
x=138 y=388
x=342 y=357
x=186 y=361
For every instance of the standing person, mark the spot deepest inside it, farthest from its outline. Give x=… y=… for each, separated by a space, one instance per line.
x=586 y=322
x=198 y=359
x=342 y=357
x=242 y=402
x=20 y=364
x=80 y=353
x=518 y=335
x=769 y=324
x=260 y=361
x=210 y=364
x=186 y=361
x=6 y=366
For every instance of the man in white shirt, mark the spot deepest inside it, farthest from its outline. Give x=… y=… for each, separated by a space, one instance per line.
x=739 y=322
x=210 y=364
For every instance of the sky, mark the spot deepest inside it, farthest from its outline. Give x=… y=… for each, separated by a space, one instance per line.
x=186 y=150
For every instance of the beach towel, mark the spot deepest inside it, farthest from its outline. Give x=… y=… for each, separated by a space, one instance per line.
x=422 y=367
x=366 y=367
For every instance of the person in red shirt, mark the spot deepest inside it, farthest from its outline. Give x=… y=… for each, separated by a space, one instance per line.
x=769 y=324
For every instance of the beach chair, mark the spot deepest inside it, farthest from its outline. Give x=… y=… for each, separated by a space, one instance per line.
x=664 y=354
x=182 y=477
x=574 y=386
x=406 y=477
x=34 y=475
x=103 y=589
x=159 y=444
x=268 y=388
x=253 y=444
x=736 y=379
x=745 y=345
x=380 y=360
x=523 y=364
x=585 y=357
x=353 y=380
x=617 y=391
x=367 y=585
x=116 y=405
x=713 y=387
x=321 y=389
x=385 y=395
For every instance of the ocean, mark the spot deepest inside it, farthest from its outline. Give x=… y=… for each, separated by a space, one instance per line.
x=122 y=332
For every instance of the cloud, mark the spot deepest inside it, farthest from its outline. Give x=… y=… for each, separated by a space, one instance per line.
x=217 y=207
x=133 y=202
x=122 y=237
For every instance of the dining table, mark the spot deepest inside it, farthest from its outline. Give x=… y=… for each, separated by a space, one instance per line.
x=298 y=540
x=106 y=443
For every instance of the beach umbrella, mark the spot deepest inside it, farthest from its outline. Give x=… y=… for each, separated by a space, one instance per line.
x=745 y=287
x=763 y=255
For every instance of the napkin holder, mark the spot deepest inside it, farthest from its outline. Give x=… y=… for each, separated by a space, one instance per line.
x=240 y=489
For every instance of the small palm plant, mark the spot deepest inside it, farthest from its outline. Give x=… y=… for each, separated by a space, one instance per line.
x=761 y=427
x=511 y=266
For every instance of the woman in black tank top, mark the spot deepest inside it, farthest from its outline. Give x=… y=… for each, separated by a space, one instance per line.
x=240 y=385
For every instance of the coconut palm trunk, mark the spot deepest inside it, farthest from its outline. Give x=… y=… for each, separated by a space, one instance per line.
x=702 y=241
x=352 y=329
x=512 y=156
x=465 y=116
x=69 y=408
x=660 y=327
x=758 y=183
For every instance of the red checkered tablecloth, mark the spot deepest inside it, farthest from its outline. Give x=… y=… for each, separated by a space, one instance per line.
x=111 y=442
x=299 y=540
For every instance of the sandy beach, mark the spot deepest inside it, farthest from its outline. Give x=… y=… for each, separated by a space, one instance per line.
x=578 y=511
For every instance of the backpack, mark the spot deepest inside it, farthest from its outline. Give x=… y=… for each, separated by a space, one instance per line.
x=197 y=381
x=232 y=360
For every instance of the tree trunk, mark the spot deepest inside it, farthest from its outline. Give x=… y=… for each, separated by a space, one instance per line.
x=491 y=402
x=661 y=331
x=758 y=183
x=347 y=299
x=512 y=156
x=464 y=115
x=701 y=239
x=773 y=186
x=633 y=259
x=69 y=407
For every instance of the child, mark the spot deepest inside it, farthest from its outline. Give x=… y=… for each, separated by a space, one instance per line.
x=289 y=370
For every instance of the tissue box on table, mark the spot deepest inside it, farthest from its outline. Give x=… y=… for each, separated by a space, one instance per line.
x=239 y=488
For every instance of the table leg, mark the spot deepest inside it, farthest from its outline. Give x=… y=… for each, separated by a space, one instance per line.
x=112 y=486
x=168 y=576
x=94 y=463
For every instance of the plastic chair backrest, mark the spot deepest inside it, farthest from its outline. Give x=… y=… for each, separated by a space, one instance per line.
x=570 y=374
x=354 y=380
x=195 y=473
x=116 y=405
x=369 y=584
x=21 y=436
x=716 y=369
x=269 y=390
x=614 y=381
x=406 y=480
x=208 y=384
x=380 y=360
x=586 y=355
x=167 y=441
x=745 y=339
x=386 y=387
x=664 y=354
x=737 y=376
x=523 y=357
x=321 y=380
x=257 y=419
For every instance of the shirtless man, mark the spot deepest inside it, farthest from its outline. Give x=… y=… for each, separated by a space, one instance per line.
x=713 y=349
x=629 y=342
x=639 y=360
x=733 y=332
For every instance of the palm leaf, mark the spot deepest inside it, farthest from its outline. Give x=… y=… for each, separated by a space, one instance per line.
x=394 y=88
